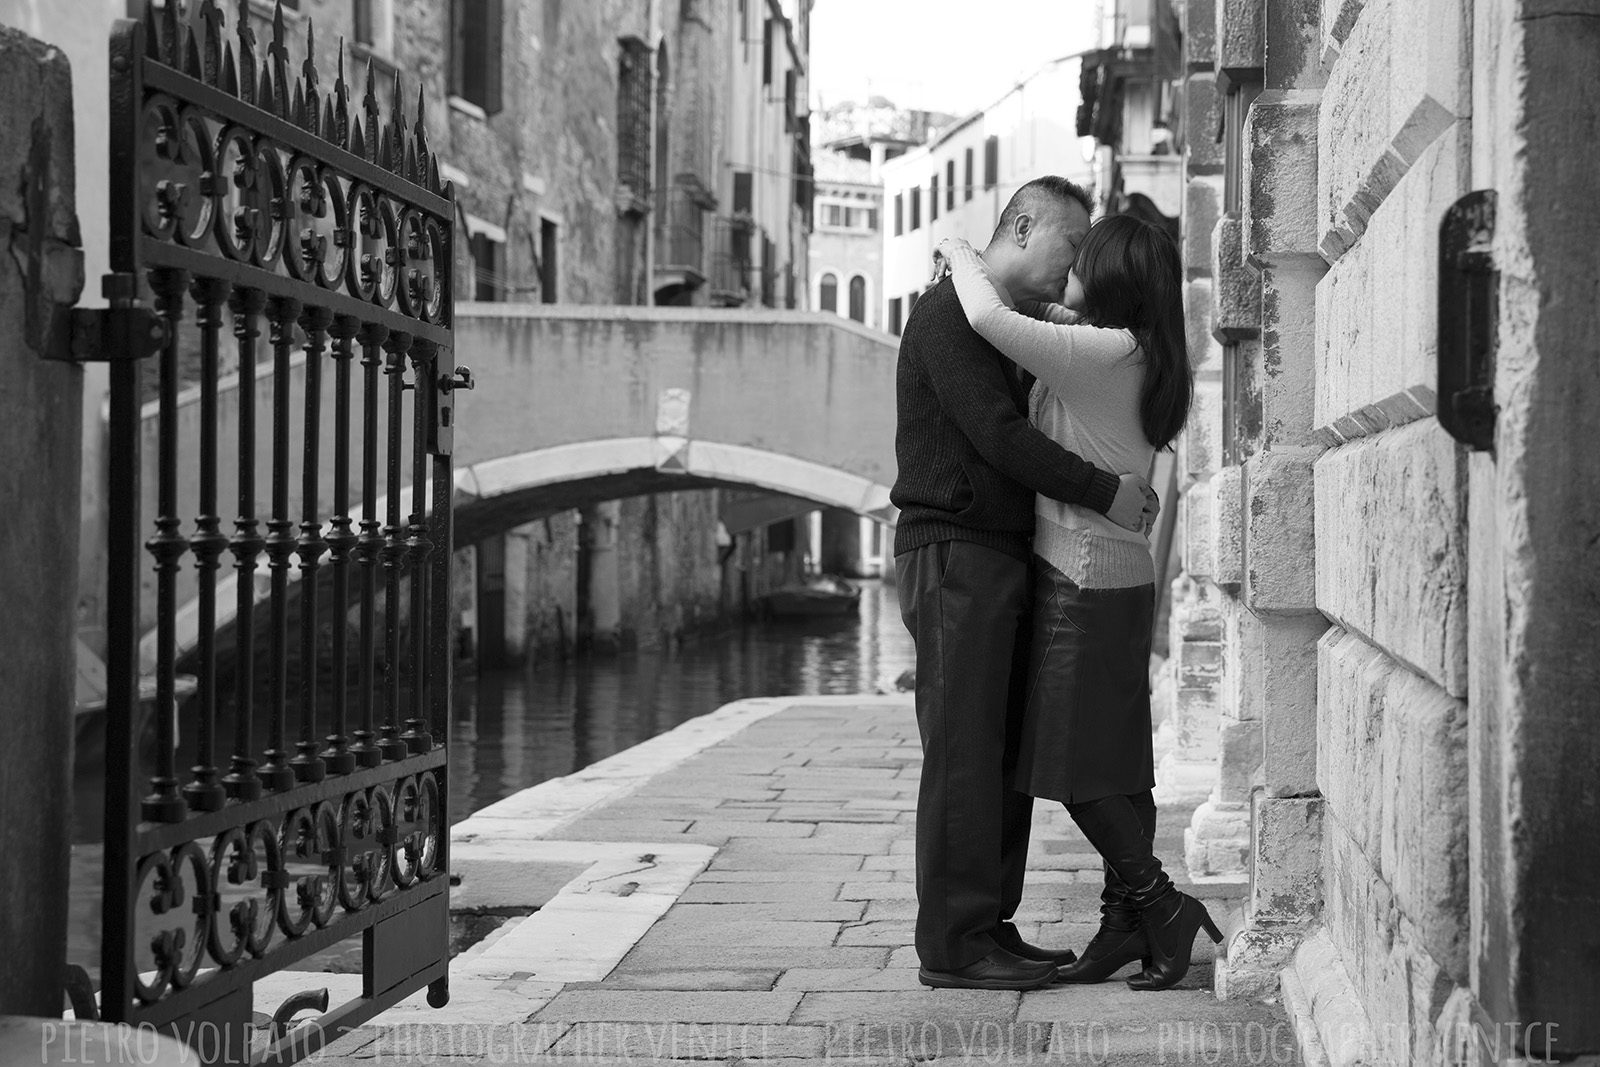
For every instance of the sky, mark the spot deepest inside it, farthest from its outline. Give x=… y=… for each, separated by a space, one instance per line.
x=939 y=55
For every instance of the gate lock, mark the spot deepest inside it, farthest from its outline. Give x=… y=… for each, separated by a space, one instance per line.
x=442 y=438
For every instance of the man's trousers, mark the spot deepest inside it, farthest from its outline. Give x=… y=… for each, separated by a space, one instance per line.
x=967 y=608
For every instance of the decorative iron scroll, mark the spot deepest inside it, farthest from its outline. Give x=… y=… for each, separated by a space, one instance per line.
x=315 y=230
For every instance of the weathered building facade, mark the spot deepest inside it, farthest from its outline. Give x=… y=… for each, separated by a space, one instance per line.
x=1405 y=615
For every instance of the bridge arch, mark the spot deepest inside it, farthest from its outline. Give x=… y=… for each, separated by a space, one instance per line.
x=498 y=494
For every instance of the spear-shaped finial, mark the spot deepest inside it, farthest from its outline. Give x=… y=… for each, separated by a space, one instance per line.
x=421 y=135
x=191 y=53
x=247 y=52
x=211 y=41
x=397 y=124
x=369 y=105
x=279 y=51
x=171 y=39
x=338 y=128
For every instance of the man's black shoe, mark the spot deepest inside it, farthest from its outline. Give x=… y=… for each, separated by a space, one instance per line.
x=998 y=970
x=1018 y=947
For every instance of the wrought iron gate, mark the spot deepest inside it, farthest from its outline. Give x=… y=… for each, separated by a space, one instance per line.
x=273 y=208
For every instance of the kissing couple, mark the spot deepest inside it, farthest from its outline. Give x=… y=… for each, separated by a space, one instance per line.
x=1035 y=385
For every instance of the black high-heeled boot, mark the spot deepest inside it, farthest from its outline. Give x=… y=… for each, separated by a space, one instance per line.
x=1120 y=940
x=1169 y=919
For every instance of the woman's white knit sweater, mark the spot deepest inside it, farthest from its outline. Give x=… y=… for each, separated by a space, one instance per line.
x=1087 y=400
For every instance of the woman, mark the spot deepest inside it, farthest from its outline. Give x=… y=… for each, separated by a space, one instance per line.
x=1114 y=385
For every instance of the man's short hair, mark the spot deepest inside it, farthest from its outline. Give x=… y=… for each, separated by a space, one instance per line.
x=1040 y=195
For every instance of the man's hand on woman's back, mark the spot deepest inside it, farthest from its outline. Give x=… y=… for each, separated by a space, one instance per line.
x=1136 y=504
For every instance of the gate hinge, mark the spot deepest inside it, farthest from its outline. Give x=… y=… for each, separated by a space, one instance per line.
x=125 y=330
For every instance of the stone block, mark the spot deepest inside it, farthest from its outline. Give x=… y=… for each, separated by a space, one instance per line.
x=1350 y=683
x=1195 y=615
x=1288 y=354
x=1246 y=372
x=1285 y=680
x=1286 y=868
x=1280 y=181
x=1199 y=664
x=1401 y=984
x=1391 y=547
x=1208 y=362
x=1199 y=26
x=1194 y=720
x=1425 y=813
x=1235 y=287
x=1401 y=80
x=1239 y=759
x=1377 y=309
x=1227 y=527
x=1202 y=117
x=1216 y=843
x=1256 y=956
x=1202 y=434
x=1196 y=519
x=1240 y=34
x=1292 y=45
x=1279 y=534
x=1241 y=651
x=1197 y=314
x=1202 y=207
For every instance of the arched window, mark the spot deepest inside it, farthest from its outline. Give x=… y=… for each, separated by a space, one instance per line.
x=858 y=298
x=828 y=298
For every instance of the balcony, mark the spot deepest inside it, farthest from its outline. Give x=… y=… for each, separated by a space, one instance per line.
x=680 y=238
x=733 y=273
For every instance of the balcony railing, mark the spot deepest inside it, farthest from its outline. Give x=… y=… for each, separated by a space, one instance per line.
x=733 y=270
x=680 y=242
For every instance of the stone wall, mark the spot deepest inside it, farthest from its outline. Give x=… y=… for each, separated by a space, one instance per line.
x=1411 y=768
x=41 y=274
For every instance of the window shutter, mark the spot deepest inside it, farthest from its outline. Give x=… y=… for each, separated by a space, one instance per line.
x=991 y=162
x=766 y=54
x=493 y=41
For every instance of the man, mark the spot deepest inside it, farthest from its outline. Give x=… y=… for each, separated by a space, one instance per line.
x=969 y=466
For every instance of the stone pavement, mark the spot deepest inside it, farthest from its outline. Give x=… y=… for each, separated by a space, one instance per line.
x=741 y=889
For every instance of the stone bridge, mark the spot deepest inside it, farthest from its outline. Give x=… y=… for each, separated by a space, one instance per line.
x=577 y=404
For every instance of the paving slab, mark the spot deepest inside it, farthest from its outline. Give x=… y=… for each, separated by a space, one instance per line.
x=743 y=892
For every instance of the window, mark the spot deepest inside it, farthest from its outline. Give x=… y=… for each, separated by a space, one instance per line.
x=950 y=185
x=872 y=219
x=894 y=316
x=791 y=87
x=899 y=214
x=933 y=198
x=916 y=206
x=488 y=267
x=549 y=272
x=991 y=162
x=828 y=296
x=769 y=255
x=475 y=52
x=1236 y=108
x=633 y=118
x=858 y=298
x=969 y=174
x=911 y=304
x=743 y=192
x=766 y=53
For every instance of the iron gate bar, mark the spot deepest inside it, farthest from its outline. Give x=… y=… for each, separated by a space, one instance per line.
x=204 y=792
x=233 y=183
x=308 y=763
x=246 y=545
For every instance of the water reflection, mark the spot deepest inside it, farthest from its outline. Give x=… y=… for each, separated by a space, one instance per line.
x=517 y=728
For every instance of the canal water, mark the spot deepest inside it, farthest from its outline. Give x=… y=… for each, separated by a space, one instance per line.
x=517 y=728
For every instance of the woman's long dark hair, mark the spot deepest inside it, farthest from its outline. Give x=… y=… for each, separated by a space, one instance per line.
x=1132 y=277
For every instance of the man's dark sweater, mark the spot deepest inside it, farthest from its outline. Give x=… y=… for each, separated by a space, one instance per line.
x=970 y=462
